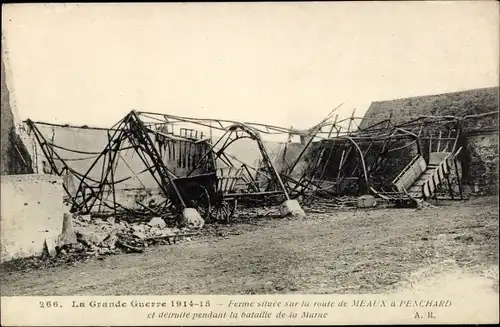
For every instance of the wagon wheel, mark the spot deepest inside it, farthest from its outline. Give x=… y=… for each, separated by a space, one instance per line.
x=224 y=210
x=202 y=203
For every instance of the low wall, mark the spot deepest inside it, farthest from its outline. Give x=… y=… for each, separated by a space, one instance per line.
x=31 y=212
x=483 y=162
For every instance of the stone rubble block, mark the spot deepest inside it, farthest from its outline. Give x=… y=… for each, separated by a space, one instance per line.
x=111 y=235
x=366 y=201
x=157 y=221
x=67 y=235
x=50 y=247
x=291 y=208
x=85 y=218
x=139 y=234
x=192 y=219
x=155 y=231
x=110 y=240
x=139 y=228
x=91 y=235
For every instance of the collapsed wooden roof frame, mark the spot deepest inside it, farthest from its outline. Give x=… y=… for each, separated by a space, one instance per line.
x=416 y=129
x=129 y=128
x=134 y=128
x=138 y=132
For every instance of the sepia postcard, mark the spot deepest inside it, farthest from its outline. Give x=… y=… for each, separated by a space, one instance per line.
x=251 y=163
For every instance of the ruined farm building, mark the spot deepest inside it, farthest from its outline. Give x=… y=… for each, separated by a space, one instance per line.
x=480 y=163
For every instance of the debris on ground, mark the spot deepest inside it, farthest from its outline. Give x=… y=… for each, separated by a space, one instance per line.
x=339 y=252
x=105 y=236
x=157 y=222
x=96 y=237
x=422 y=204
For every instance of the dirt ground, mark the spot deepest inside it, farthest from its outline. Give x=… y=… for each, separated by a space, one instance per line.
x=343 y=251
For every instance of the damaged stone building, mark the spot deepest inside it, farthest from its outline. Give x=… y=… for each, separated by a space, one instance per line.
x=143 y=177
x=31 y=204
x=480 y=160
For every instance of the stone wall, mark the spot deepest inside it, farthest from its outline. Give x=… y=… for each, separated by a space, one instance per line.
x=483 y=163
x=461 y=103
x=31 y=211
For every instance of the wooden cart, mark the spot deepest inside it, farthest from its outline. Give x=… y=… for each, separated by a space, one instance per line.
x=213 y=195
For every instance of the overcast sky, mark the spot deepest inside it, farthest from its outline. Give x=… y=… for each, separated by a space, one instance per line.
x=281 y=63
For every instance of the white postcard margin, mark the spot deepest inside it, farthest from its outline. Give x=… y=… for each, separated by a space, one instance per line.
x=249 y=310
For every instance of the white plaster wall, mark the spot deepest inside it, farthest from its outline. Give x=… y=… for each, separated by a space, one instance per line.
x=129 y=198
x=31 y=211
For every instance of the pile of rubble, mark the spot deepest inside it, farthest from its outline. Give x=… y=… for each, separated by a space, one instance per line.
x=94 y=236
